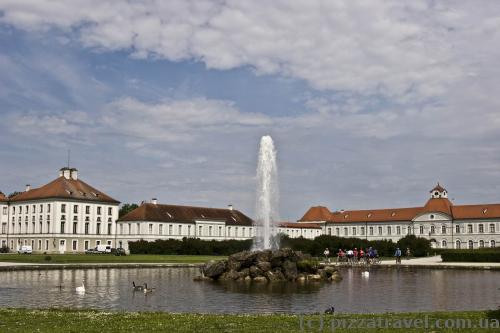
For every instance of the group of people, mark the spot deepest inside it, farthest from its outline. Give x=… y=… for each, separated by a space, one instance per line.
x=363 y=256
x=355 y=256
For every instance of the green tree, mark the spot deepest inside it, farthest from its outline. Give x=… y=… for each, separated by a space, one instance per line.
x=13 y=194
x=127 y=208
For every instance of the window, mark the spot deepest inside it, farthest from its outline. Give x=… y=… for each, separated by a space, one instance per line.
x=98 y=210
x=87 y=209
x=337 y=231
x=75 y=209
x=362 y=230
x=150 y=228
x=469 y=228
x=41 y=228
x=74 y=245
x=421 y=229
x=63 y=208
x=398 y=230
x=220 y=231
x=48 y=208
x=481 y=228
x=169 y=229
x=346 y=231
x=98 y=229
x=48 y=227
x=121 y=229
x=380 y=230
x=329 y=231
x=39 y=244
x=97 y=242
x=4 y=211
x=457 y=229
x=109 y=228
x=443 y=229
x=200 y=228
x=444 y=244
x=492 y=243
x=433 y=230
x=492 y=228
x=371 y=231
x=432 y=217
x=87 y=228
x=179 y=228
x=189 y=230
x=62 y=227
x=138 y=225
x=130 y=229
x=75 y=227
x=86 y=245
x=46 y=244
x=41 y=210
x=389 y=230
x=160 y=229
x=110 y=211
x=210 y=230
x=481 y=244
x=354 y=231
x=4 y=228
x=471 y=244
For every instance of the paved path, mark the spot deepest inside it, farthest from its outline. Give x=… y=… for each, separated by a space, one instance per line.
x=435 y=261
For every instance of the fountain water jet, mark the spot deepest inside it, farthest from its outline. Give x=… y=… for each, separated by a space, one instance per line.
x=266 y=211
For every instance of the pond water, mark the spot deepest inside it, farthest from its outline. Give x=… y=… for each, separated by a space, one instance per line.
x=395 y=290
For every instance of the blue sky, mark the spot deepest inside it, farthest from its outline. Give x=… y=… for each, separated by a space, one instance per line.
x=370 y=103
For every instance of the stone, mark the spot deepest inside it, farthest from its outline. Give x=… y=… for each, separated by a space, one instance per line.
x=244 y=272
x=290 y=270
x=264 y=266
x=264 y=256
x=330 y=270
x=229 y=275
x=214 y=269
x=275 y=276
x=301 y=278
x=255 y=271
x=233 y=264
x=322 y=273
x=335 y=277
x=247 y=278
x=259 y=279
x=313 y=277
x=245 y=258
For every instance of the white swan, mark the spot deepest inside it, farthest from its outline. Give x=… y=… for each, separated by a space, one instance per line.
x=81 y=289
x=365 y=274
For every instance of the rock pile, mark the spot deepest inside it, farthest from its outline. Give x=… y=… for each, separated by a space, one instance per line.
x=269 y=266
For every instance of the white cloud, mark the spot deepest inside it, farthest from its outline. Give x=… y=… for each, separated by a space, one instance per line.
x=399 y=49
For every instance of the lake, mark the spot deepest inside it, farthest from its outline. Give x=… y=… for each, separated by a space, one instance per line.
x=394 y=290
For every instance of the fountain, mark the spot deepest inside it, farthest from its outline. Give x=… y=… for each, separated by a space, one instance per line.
x=266 y=211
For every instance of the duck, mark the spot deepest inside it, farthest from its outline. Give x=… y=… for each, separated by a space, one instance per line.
x=330 y=310
x=146 y=289
x=137 y=288
x=81 y=289
x=365 y=274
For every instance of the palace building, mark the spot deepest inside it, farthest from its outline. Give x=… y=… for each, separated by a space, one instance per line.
x=152 y=221
x=446 y=225
x=65 y=215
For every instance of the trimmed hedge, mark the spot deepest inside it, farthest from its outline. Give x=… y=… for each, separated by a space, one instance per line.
x=315 y=247
x=480 y=255
x=189 y=246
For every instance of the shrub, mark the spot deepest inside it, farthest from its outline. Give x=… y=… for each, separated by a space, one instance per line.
x=419 y=247
x=47 y=258
x=481 y=255
x=189 y=246
x=308 y=266
x=4 y=249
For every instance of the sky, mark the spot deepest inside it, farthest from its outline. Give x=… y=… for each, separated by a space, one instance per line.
x=370 y=103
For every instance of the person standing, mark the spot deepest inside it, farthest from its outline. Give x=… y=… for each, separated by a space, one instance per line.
x=408 y=253
x=398 y=256
x=327 y=254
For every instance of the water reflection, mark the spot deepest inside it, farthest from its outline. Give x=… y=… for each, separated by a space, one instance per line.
x=396 y=290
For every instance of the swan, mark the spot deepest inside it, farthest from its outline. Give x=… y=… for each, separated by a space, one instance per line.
x=81 y=289
x=146 y=289
x=365 y=274
x=137 y=288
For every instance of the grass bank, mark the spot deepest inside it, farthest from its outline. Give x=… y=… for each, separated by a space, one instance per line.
x=55 y=320
x=103 y=258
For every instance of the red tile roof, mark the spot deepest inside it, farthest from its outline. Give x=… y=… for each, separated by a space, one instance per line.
x=3 y=198
x=63 y=188
x=175 y=213
x=437 y=205
x=438 y=188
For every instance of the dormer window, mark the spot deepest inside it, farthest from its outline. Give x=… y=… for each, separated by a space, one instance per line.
x=485 y=210
x=369 y=215
x=431 y=216
x=393 y=214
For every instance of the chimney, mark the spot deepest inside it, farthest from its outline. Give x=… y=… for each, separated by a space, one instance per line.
x=230 y=207
x=73 y=173
x=28 y=187
x=154 y=201
x=65 y=172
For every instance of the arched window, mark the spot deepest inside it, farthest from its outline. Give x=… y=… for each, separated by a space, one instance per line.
x=492 y=243
x=444 y=244
x=471 y=244
x=457 y=244
x=481 y=244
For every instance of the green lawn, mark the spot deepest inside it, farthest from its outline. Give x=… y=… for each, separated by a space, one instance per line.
x=103 y=258
x=54 y=321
